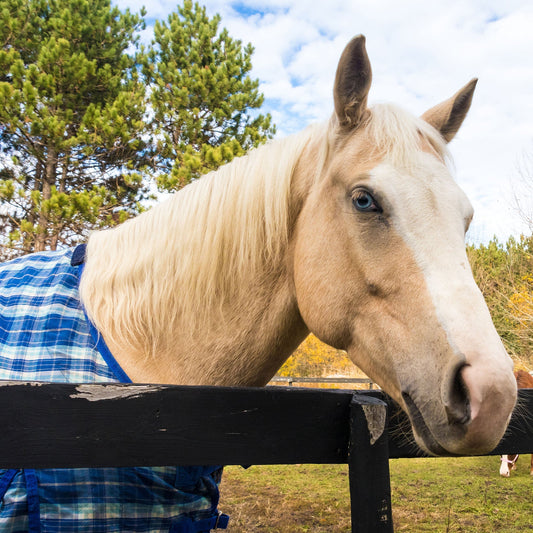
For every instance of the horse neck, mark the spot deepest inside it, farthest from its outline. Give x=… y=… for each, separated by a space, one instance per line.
x=165 y=324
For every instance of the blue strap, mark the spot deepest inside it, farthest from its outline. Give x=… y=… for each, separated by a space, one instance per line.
x=78 y=255
x=6 y=480
x=188 y=476
x=102 y=347
x=78 y=259
x=34 y=512
x=185 y=524
x=32 y=492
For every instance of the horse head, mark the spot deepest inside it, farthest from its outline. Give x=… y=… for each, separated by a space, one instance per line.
x=380 y=267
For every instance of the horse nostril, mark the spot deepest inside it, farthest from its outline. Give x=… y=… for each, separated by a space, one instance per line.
x=456 y=398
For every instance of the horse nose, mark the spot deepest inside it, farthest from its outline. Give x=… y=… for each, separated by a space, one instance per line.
x=455 y=394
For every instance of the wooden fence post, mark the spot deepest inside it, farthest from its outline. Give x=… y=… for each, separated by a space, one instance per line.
x=368 y=460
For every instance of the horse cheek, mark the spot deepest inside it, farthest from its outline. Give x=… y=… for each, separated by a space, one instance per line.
x=325 y=291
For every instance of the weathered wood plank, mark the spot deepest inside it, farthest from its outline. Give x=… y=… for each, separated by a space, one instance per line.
x=68 y=425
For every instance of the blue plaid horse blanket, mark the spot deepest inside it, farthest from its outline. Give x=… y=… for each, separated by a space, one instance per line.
x=45 y=336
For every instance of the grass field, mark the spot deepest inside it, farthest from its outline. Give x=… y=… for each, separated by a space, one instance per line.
x=428 y=495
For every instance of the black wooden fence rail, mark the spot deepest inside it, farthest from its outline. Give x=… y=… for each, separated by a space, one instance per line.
x=78 y=425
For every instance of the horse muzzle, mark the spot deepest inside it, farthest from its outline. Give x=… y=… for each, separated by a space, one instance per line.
x=472 y=415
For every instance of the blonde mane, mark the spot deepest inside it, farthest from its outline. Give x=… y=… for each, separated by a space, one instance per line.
x=189 y=255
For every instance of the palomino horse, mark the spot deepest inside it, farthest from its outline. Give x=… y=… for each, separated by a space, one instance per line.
x=524 y=380
x=353 y=230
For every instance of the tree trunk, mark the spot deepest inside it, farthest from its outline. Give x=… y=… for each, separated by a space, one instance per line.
x=31 y=215
x=62 y=185
x=48 y=180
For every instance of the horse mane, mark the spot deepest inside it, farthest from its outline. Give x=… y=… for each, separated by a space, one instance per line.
x=189 y=255
x=181 y=256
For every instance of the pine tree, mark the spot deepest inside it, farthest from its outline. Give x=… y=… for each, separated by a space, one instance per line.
x=71 y=121
x=87 y=117
x=202 y=96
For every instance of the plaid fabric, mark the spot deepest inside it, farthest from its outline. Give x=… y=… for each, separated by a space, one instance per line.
x=45 y=336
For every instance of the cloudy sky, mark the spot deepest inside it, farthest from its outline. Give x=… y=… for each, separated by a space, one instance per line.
x=421 y=53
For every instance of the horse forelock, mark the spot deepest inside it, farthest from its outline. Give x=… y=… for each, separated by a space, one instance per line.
x=398 y=135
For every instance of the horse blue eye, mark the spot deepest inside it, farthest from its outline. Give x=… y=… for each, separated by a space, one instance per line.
x=364 y=201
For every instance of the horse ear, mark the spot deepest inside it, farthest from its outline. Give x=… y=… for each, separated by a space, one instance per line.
x=448 y=116
x=352 y=83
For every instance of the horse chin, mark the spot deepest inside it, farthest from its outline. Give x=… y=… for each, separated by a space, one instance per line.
x=429 y=445
x=421 y=432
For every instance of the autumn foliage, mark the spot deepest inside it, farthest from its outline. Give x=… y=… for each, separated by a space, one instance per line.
x=313 y=358
x=504 y=273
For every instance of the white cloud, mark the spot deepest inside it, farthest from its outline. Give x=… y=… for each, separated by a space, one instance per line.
x=421 y=53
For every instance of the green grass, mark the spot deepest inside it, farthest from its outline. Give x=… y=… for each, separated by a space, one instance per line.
x=428 y=495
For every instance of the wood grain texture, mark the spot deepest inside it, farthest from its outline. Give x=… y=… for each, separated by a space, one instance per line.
x=69 y=425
